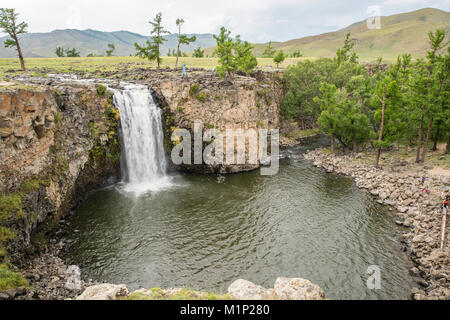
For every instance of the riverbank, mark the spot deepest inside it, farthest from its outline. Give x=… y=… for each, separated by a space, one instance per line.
x=284 y=289
x=399 y=185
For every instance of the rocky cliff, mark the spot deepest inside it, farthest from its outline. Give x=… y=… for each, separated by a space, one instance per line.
x=241 y=103
x=56 y=143
x=59 y=140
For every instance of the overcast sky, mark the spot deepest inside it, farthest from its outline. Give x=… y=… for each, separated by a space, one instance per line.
x=254 y=20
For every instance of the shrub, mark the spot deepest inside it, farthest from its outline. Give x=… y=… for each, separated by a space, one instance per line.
x=101 y=90
x=202 y=97
x=194 y=90
x=9 y=279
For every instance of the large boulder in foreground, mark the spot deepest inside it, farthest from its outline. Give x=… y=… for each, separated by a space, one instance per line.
x=297 y=289
x=104 y=291
x=246 y=290
x=284 y=289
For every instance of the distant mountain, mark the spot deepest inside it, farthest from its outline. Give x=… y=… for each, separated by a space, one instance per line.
x=92 y=41
x=400 y=33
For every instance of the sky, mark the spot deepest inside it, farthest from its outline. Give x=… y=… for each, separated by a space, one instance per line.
x=255 y=20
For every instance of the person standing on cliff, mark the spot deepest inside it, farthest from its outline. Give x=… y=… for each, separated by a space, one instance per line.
x=184 y=70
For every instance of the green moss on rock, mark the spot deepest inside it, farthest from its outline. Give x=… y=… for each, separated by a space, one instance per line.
x=9 y=279
x=182 y=294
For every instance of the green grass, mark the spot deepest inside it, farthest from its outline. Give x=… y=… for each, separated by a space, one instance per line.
x=299 y=134
x=9 y=279
x=183 y=294
x=40 y=66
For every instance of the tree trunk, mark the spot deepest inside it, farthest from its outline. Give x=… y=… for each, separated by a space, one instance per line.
x=178 y=54
x=332 y=143
x=447 y=148
x=425 y=146
x=380 y=137
x=19 y=51
x=377 y=159
x=419 y=140
x=436 y=138
x=355 y=146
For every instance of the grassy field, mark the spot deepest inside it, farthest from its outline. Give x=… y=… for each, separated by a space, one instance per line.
x=44 y=65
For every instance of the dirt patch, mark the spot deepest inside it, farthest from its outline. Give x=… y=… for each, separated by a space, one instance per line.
x=436 y=171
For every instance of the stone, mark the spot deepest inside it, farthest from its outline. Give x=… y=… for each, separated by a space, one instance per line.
x=4 y=296
x=6 y=132
x=104 y=291
x=246 y=290
x=11 y=293
x=414 y=271
x=297 y=289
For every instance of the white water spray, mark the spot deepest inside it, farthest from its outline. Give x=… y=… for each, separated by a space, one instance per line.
x=144 y=163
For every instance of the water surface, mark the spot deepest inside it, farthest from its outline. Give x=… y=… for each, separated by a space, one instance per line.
x=204 y=232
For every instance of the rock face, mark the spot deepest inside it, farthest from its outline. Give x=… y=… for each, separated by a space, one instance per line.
x=246 y=290
x=297 y=289
x=57 y=143
x=418 y=211
x=243 y=103
x=284 y=289
x=104 y=292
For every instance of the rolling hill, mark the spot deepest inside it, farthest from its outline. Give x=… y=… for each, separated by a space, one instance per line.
x=92 y=41
x=400 y=33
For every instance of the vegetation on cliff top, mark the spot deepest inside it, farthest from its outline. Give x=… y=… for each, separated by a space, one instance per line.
x=405 y=103
x=152 y=51
x=234 y=55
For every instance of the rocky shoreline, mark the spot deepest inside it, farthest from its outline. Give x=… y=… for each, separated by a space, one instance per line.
x=284 y=289
x=48 y=277
x=418 y=211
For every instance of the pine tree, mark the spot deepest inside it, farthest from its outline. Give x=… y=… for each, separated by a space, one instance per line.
x=72 y=53
x=424 y=86
x=296 y=54
x=111 y=47
x=346 y=53
x=224 y=52
x=59 y=52
x=233 y=55
x=279 y=58
x=152 y=49
x=182 y=39
x=13 y=28
x=269 y=51
x=198 y=53
x=245 y=60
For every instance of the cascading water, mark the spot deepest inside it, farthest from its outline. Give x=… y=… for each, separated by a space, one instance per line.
x=144 y=163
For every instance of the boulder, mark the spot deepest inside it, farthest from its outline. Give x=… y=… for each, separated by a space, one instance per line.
x=246 y=290
x=297 y=289
x=104 y=291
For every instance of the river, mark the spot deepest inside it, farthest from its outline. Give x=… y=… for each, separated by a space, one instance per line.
x=204 y=232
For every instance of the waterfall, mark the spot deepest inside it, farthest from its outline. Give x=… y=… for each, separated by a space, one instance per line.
x=143 y=161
